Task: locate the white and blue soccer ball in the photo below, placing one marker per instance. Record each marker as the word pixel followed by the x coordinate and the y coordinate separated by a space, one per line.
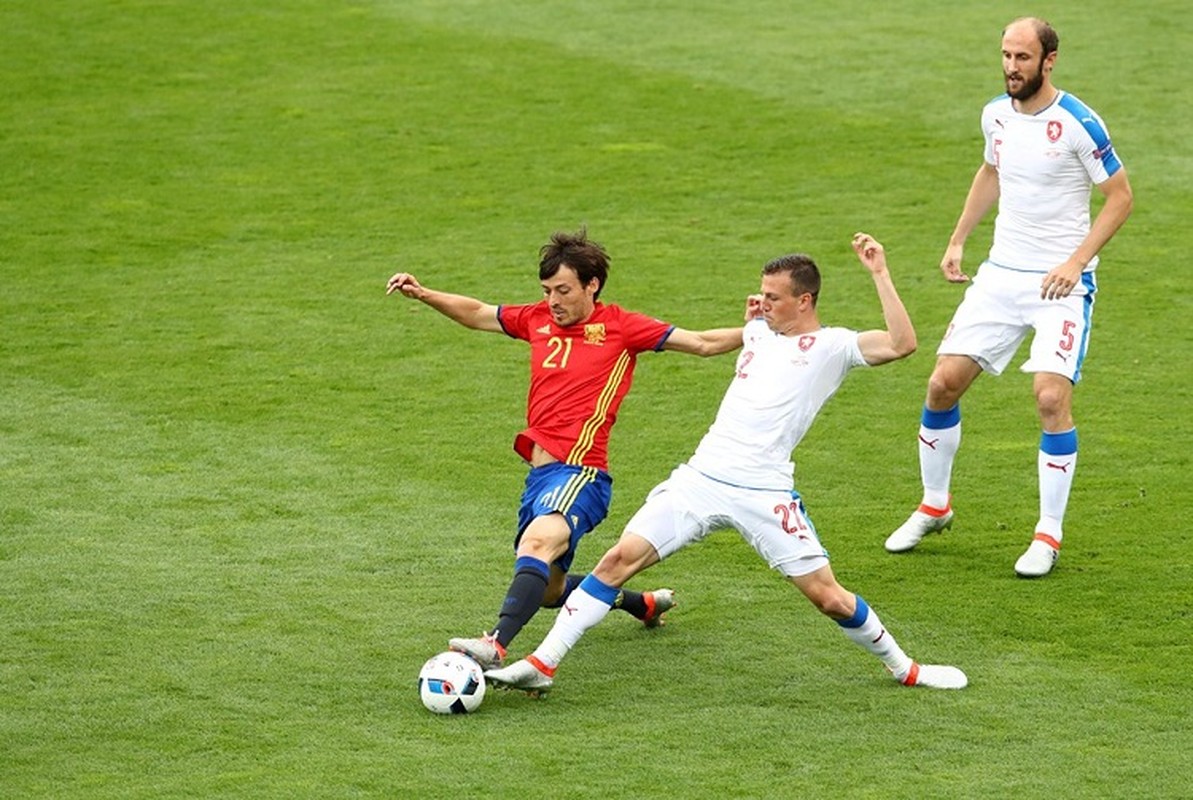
pixel 451 683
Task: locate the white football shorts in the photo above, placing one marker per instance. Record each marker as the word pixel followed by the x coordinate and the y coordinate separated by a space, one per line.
pixel 689 505
pixel 1003 305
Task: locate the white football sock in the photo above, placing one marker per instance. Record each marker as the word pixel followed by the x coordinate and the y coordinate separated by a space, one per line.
pixel 1057 461
pixel 866 630
pixel 938 447
pixel 580 612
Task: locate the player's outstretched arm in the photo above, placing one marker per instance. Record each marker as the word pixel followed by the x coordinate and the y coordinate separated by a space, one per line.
pixel 983 194
pixel 468 311
pixel 898 340
pixel 712 342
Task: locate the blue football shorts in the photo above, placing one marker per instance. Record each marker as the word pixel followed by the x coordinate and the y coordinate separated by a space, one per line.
pixel 580 494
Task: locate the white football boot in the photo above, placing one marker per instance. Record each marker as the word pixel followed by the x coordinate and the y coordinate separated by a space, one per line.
pixel 1040 557
pixel 923 520
pixel 935 676
pixel 523 675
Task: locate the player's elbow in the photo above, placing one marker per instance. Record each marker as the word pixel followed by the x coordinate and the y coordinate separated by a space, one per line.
pixel 1119 195
pixel 906 345
pixel 716 348
pixel 1128 202
pixel 901 344
pixel 706 345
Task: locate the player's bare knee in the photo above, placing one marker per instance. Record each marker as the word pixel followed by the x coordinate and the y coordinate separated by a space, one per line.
pixel 544 548
pixel 944 390
pixel 951 378
pixel 612 566
pixel 1052 402
pixel 620 563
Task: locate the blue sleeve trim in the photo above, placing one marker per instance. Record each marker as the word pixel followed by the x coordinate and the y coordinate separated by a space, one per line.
pixel 939 420
pixel 1059 444
pixel 1104 149
pixel 599 589
pixel 663 340
pixel 501 322
pixel 859 616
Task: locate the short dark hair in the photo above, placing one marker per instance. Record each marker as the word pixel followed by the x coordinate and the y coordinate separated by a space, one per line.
pixel 801 269
pixel 587 258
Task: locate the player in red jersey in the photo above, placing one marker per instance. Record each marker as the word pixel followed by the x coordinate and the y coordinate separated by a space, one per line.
pixel 582 357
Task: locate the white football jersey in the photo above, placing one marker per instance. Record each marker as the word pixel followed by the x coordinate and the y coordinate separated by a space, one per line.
pixel 780 386
pixel 1046 164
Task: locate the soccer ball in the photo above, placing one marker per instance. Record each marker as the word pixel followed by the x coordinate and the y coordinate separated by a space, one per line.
pixel 451 683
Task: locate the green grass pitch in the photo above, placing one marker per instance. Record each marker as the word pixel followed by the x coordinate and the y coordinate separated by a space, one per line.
pixel 244 495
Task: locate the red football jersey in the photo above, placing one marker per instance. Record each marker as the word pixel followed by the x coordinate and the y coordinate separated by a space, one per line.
pixel 578 376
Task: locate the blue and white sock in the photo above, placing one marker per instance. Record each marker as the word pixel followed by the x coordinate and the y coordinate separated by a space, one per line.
pixel 940 436
pixel 866 630
pixel 1057 462
pixel 585 607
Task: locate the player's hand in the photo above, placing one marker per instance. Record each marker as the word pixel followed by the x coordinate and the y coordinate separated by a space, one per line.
pixel 1061 281
pixel 753 307
pixel 950 264
pixel 870 252
pixel 405 283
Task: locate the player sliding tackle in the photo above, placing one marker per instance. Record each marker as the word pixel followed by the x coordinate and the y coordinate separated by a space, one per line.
pixel 741 473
